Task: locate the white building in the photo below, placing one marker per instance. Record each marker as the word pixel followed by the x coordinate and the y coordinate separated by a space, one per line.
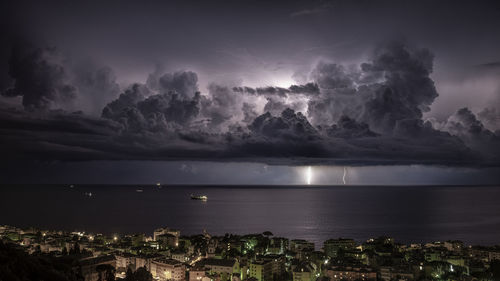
pixel 168 270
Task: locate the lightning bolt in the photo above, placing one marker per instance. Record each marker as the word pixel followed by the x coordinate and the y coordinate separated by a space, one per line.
pixel 309 175
pixel 345 173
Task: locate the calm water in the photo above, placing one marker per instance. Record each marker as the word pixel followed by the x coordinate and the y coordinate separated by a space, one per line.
pixel 410 214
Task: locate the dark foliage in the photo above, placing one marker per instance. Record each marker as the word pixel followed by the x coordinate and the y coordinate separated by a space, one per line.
pixel 141 274
pixel 15 265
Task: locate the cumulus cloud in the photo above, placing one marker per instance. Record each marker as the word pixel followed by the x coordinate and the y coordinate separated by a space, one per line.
pixel 407 91
pixel 45 79
pixel 490 118
pixel 172 107
pixel 269 91
pixel 184 83
pixel 128 99
pixel 370 113
pixel 40 78
pixel 289 125
pixel 222 105
pixel 393 86
pixel 349 128
pixel 96 85
pixel 465 125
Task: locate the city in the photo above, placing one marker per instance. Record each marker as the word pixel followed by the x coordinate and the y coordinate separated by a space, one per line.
pixel 34 254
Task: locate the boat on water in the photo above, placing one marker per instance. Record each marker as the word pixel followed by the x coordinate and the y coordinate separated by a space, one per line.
pixel 199 197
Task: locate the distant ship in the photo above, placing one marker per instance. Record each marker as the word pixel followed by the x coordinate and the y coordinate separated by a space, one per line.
pixel 199 197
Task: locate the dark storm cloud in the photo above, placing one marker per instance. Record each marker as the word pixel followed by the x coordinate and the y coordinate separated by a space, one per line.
pixel 40 78
pixel 490 118
pixel 292 137
pixel 221 105
pixel 349 128
pixel 370 113
pixel 249 112
pixel 185 83
pixel 128 99
pixel 407 91
pixel 172 106
pixel 45 79
pixel 331 76
pixel 306 89
pixel 55 135
pixel 289 125
pixel 96 85
pixel 139 108
pixel 465 124
pixel 395 85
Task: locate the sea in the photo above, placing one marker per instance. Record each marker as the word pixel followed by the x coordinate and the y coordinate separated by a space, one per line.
pixel 409 214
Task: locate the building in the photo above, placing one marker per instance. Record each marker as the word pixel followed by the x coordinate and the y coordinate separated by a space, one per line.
pixel 145 261
pixel 166 230
pixel 332 246
pixel 388 273
pixel 197 274
pixel 301 247
pixel 277 245
pixel 304 271
pixel 168 270
pixel 223 268
pixel 179 255
pixel 168 240
pixel 90 267
pixel 124 261
pixel 493 255
pixel 351 273
pixel 454 246
pixel 267 268
pixel 261 270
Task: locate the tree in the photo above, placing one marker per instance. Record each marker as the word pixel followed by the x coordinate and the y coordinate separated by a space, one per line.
pixel 106 272
pixel 130 274
pixel 495 269
pixel 75 250
pixel 16 265
pixel 141 274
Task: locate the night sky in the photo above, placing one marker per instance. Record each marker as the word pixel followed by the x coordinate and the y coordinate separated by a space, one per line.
pixel 250 92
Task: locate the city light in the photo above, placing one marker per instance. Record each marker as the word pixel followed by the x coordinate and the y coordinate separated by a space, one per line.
pixel 175 269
